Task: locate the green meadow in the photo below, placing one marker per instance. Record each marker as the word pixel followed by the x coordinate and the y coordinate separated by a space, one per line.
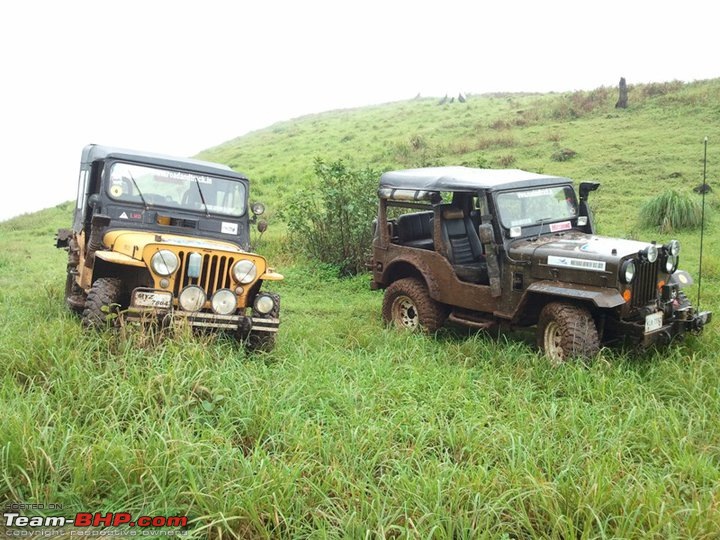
pixel 352 430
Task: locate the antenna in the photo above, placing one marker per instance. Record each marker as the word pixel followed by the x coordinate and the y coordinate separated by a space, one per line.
pixel 702 221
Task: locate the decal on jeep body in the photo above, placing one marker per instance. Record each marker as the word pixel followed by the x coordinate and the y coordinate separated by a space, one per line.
pixel 570 262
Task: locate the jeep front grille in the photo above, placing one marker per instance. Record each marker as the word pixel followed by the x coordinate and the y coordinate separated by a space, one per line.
pixel 644 287
pixel 214 273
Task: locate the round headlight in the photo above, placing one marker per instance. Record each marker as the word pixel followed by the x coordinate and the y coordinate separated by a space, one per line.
pixel 673 248
pixel 224 302
pixel 245 271
pixel 627 271
pixel 192 298
pixel 651 253
pixel 164 262
pixel 264 304
pixel 671 264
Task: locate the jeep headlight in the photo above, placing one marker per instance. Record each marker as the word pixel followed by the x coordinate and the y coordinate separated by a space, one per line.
pixel 627 272
pixel 245 271
pixel 671 264
pixel 192 298
pixel 673 248
pixel 164 262
pixel 651 253
pixel 264 303
pixel 224 302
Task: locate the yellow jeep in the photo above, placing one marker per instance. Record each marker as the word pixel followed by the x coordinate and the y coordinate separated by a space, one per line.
pixel 167 238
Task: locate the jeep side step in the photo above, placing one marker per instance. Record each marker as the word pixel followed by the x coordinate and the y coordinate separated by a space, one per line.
pixel 466 319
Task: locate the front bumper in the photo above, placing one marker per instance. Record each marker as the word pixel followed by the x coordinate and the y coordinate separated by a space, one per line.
pixel 678 324
pixel 238 322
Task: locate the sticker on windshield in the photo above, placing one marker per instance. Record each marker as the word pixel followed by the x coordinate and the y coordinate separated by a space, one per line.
pixel 570 262
pixel 562 226
pixel 534 193
pixel 229 228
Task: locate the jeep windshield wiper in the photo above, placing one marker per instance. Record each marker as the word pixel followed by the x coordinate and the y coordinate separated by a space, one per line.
pixel 541 222
pixel 202 198
pixel 138 190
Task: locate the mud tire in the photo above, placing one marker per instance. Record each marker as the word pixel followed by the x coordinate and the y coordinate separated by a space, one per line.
pixel 74 295
pixel 102 304
pixel 407 305
pixel 566 332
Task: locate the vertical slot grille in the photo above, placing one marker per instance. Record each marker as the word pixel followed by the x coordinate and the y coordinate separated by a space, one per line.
pixel 214 274
pixel 644 286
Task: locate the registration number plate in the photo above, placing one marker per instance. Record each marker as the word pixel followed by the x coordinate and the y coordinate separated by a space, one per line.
pixel 152 299
pixel 653 322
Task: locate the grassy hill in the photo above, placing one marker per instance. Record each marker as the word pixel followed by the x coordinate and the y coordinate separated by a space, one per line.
pixel 348 427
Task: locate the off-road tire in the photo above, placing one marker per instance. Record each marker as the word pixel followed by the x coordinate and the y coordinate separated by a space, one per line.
pixel 566 331
pixel 407 305
pixel 102 304
pixel 264 341
pixel 74 295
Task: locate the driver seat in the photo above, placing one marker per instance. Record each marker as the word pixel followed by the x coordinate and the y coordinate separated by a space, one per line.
pixel 463 247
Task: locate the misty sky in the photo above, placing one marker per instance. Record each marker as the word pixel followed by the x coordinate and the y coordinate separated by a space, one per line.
pixel 178 77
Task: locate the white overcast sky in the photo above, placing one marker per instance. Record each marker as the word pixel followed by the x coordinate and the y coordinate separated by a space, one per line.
pixel 177 77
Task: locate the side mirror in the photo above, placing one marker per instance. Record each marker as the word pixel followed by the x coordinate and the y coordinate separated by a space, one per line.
pixel 262 226
pixel 93 200
pixel 257 208
pixel 486 233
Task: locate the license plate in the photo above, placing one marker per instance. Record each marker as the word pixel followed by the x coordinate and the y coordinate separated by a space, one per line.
pixel 653 322
pixel 152 299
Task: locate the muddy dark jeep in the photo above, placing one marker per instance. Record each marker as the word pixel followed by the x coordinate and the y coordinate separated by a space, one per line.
pixel 162 238
pixel 481 248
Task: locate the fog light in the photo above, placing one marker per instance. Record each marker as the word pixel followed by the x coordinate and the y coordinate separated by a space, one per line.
pixel 264 304
pixel 673 248
pixel 164 283
pixel 224 302
pixel 651 253
pixel 582 221
pixel 192 298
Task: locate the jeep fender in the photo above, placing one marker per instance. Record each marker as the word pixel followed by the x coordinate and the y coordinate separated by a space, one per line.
pixel 410 267
pixel 602 297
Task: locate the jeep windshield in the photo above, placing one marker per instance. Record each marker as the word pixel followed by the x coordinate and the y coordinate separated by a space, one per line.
pixel 537 206
pixel 152 186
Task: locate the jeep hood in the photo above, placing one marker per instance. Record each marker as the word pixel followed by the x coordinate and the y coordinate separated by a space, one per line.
pixel 133 243
pixel 575 257
pixel 576 245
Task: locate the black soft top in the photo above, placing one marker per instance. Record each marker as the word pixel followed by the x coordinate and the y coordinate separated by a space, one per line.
pixel 466 179
pixel 95 152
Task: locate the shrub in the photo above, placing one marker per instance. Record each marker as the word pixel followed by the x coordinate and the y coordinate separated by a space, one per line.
pixel 330 221
pixel 563 154
pixel 671 211
pixel 506 160
pixel 416 152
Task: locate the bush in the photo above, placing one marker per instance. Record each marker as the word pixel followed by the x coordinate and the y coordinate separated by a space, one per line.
pixel 331 221
pixel 671 211
pixel 563 154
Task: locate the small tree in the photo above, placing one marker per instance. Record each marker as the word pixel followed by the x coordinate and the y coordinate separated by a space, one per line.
pixel 331 220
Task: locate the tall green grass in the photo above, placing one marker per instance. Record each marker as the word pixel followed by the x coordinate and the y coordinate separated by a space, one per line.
pixel 671 211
